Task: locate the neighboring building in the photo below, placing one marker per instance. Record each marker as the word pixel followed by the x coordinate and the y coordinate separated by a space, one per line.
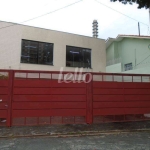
pixel 128 54
pixel 31 48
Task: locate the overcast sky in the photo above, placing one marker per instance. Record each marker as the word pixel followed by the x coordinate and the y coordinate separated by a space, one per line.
pixel 77 18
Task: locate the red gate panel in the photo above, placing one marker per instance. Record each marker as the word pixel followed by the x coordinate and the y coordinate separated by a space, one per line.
pixel 118 98
pixel 39 101
pixel 5 97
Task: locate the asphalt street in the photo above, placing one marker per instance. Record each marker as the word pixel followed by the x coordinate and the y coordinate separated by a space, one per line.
pixel 122 141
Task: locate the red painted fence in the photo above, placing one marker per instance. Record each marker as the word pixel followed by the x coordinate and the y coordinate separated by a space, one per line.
pixel 5 97
pixel 36 98
pixel 121 97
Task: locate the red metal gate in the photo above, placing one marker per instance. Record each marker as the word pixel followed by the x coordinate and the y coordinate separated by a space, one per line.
pixel 37 97
pixel 5 97
pixel 121 97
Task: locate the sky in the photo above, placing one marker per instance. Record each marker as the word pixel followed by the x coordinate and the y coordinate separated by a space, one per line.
pixel 78 18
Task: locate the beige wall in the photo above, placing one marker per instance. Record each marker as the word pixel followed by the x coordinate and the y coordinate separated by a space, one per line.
pixel 10 43
pixel 10 47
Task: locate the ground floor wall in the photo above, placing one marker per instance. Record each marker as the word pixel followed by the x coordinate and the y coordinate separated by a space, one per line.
pixel 116 68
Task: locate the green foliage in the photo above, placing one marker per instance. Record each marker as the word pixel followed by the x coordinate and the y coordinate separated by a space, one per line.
pixel 141 3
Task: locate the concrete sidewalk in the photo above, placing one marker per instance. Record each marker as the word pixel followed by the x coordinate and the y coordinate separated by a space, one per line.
pixel 74 130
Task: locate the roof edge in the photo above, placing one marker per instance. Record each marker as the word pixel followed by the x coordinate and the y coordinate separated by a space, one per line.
pixel 109 41
pixel 51 30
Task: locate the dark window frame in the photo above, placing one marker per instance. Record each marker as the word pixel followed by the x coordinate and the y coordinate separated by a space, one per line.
pixel 128 66
pixel 83 61
pixel 38 42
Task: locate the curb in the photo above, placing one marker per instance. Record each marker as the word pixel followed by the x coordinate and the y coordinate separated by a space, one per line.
pixel 76 134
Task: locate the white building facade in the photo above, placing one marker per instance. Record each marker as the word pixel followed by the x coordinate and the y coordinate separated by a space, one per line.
pixel 30 48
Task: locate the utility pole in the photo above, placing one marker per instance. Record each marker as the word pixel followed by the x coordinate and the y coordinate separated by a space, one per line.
pixel 135 58
pixel 149 17
pixel 139 28
pixel 149 23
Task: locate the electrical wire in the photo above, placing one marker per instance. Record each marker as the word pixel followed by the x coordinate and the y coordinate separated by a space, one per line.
pixel 120 13
pixel 41 15
pixel 142 60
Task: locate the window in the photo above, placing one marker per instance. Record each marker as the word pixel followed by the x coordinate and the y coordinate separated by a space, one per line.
pixel 78 57
pixel 34 52
pixel 128 66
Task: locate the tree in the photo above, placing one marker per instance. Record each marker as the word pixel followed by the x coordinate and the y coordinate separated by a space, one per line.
pixel 141 3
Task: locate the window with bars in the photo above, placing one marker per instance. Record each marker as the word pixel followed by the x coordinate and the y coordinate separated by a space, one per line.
pixel 78 57
pixel 128 66
pixel 34 52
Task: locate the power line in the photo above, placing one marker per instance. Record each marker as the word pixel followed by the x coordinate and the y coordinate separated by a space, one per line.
pixel 144 63
pixel 121 13
pixel 41 15
pixel 142 60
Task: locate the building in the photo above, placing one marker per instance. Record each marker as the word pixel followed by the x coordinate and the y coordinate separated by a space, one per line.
pixel 30 48
pixel 128 54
